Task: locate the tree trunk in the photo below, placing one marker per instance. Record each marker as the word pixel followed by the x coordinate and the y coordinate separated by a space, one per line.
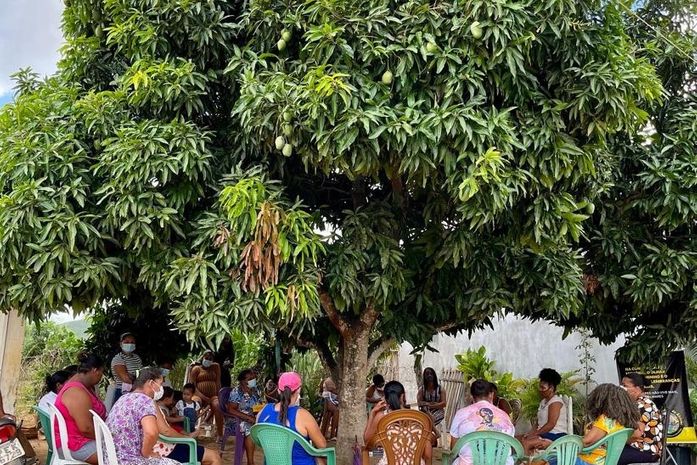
pixel 354 372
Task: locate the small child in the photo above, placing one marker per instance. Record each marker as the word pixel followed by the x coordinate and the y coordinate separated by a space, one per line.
pixel 187 407
pixel 165 405
pixel 329 391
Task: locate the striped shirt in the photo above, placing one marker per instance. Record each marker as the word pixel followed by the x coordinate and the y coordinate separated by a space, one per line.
pixel 132 362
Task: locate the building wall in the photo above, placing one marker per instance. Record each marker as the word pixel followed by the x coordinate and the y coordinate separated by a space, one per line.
pixel 517 345
pixel 11 340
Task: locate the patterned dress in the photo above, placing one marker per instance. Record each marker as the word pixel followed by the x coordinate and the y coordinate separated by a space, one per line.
pixel 653 431
pixel 245 401
pixel 124 423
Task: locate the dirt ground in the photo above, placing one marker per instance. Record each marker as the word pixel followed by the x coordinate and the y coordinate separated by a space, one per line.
pixel 40 448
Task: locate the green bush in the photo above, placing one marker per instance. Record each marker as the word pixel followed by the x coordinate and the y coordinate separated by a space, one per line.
pixel 474 364
pixel 47 348
pixel 310 368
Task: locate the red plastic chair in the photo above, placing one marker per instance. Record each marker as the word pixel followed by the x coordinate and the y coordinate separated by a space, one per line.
pixel 232 425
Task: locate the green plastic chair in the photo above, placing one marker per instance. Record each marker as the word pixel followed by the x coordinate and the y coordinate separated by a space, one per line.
pixel 191 442
pixel 277 442
pixel 45 420
pixel 614 443
pixel 488 448
pixel 565 450
pixel 187 425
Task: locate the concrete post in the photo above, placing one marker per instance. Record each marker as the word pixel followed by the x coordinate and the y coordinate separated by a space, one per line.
pixel 11 341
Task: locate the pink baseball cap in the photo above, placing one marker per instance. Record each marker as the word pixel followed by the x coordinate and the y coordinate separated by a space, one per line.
pixel 290 380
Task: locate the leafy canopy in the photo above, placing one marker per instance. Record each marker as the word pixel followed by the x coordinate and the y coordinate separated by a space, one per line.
pixel 412 166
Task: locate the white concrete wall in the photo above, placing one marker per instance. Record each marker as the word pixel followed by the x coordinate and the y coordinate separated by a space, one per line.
pixel 11 340
pixel 517 345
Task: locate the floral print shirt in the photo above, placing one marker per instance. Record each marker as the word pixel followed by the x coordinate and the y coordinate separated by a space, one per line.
pixel 124 423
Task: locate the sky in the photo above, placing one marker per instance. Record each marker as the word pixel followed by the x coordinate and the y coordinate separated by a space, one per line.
pixel 30 35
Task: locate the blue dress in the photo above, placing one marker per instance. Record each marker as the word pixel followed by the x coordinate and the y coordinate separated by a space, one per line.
pixel 270 415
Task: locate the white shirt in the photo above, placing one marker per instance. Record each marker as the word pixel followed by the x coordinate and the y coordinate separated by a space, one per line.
pixel 47 400
pixel 543 415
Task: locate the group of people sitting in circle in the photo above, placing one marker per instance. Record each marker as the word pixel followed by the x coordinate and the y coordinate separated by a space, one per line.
pixel 611 407
pixel 145 407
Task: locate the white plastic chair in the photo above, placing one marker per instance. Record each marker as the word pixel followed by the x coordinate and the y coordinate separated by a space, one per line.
pixel 61 455
pixel 106 452
pixel 569 405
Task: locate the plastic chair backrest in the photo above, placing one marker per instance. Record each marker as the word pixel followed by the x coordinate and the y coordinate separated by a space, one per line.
pixel 565 449
pixel 614 444
pixel 277 442
pixel 106 452
pixel 57 419
pixel 45 420
pixel 403 435
pixel 488 447
pixel 569 406
pixel 223 398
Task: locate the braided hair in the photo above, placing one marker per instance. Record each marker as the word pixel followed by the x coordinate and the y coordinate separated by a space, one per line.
pixel 613 402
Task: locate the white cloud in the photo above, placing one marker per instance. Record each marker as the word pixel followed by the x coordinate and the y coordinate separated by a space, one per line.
pixel 30 35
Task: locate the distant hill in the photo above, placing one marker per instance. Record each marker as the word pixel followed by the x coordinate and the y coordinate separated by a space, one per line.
pixel 79 327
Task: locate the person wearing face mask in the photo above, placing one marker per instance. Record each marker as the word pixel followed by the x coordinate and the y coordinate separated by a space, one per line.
pixel 178 452
pixel 125 364
pixel 206 379
pixel 551 421
pixel 375 391
pixel 133 421
pixel 74 401
pixel 288 413
pixel 166 367
pixel 241 403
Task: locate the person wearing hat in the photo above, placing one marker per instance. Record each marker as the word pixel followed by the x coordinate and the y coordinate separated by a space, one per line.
pixel 125 364
pixel 289 413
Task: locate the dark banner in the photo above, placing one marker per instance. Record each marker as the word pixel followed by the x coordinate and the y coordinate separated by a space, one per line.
pixel 668 390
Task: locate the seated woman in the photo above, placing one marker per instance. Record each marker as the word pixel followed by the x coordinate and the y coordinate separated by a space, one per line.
pixel 500 402
pixel 394 400
pixel 133 422
pixel 551 421
pixel 431 399
pixel 242 400
pixel 54 383
pixel 74 402
pixel 375 391
pixel 287 412
pixel 178 452
pixel 646 440
pixel 613 410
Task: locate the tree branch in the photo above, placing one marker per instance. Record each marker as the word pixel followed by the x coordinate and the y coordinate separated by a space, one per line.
pixel 323 350
pixel 377 348
pixel 332 313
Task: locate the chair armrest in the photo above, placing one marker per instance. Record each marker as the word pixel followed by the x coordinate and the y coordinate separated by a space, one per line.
pixel 592 447
pixel 191 442
pixel 328 452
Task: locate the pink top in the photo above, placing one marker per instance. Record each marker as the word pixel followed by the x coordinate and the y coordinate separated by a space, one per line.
pixel 75 438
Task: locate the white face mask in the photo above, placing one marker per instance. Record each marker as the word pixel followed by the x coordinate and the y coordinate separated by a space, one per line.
pixel 159 393
pixel 252 383
pixel 207 363
pixel 128 347
pixel 164 371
